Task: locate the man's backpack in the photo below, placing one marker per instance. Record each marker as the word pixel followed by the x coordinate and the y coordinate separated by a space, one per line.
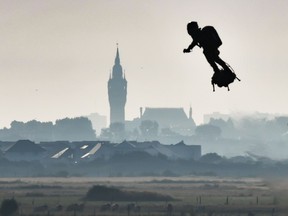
pixel 210 37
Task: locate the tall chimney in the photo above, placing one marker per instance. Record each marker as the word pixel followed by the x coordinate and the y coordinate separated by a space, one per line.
pixel 141 112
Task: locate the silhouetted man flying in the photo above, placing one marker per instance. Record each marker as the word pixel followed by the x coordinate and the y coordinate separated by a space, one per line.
pixel 209 40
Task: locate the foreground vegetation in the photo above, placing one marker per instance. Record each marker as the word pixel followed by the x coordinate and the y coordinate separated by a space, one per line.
pixel 104 193
pixel 191 196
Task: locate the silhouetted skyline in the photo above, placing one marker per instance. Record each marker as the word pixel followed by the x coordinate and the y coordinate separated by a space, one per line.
pixel 56 56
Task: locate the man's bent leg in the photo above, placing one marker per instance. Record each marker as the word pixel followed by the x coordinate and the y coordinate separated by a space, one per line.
pixel 222 64
pixel 211 60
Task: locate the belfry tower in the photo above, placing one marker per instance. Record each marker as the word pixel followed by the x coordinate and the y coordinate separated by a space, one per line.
pixel 117 92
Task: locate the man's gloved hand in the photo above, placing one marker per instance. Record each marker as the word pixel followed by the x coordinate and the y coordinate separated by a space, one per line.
pixel 186 50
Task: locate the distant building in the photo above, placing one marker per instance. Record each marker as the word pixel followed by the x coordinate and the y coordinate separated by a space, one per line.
pixel 25 150
pixel 72 152
pixel 117 92
pixel 174 119
pixel 215 115
pixel 98 122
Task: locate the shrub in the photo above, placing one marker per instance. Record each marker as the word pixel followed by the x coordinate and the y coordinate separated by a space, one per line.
pixel 103 193
pixel 8 207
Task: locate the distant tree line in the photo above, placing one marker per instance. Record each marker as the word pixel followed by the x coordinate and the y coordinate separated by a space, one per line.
pixel 253 128
pixel 149 130
pixel 70 129
pixel 78 129
pixel 243 128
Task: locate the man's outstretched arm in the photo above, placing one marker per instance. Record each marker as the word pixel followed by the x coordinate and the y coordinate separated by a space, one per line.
pixel 190 47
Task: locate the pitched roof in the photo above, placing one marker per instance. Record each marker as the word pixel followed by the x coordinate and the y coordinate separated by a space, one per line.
pixel 25 146
pixel 186 151
pixel 166 117
pixel 125 145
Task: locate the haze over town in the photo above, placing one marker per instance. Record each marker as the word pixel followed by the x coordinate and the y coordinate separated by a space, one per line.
pixel 56 57
pixel 165 143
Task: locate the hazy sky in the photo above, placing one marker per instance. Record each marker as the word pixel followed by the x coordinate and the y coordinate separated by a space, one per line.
pixel 56 56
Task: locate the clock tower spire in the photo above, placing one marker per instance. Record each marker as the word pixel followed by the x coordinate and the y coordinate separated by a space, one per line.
pixel 117 92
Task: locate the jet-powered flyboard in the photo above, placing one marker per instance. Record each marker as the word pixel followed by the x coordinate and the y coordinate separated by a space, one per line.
pixel 224 78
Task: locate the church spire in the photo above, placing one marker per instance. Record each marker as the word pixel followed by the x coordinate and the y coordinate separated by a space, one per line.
pixel 117 92
pixel 117 68
pixel 117 58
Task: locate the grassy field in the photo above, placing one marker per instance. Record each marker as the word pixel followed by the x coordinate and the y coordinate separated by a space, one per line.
pixel 193 196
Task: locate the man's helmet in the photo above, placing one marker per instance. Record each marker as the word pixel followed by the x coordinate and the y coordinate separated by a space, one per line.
pixel 192 26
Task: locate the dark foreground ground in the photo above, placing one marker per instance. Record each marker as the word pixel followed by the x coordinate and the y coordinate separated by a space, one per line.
pixel 192 196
